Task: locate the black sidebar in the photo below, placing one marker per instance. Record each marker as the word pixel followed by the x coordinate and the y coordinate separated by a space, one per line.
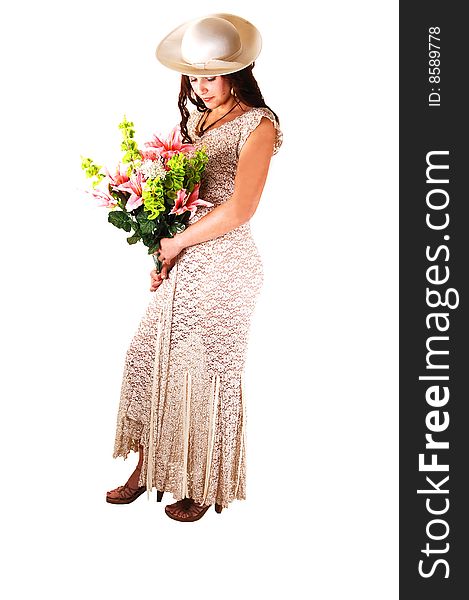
pixel 434 254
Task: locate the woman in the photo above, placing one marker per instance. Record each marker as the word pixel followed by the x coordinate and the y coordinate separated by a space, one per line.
pixel 183 406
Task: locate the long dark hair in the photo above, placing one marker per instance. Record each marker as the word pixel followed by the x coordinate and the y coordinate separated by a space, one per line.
pixel 245 88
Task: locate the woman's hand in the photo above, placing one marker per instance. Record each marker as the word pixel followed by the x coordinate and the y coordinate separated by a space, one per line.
pixel 167 254
pixel 157 278
pixel 169 248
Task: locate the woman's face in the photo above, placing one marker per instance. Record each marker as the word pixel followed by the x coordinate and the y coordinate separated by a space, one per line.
pixel 214 91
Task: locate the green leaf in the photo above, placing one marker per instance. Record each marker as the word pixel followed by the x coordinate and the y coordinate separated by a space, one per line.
pixel 176 227
pixel 120 219
pixel 153 247
pixel 179 227
pixel 147 227
pixel 133 239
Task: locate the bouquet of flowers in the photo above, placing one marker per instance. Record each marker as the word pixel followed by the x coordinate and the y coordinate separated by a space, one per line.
pixel 154 191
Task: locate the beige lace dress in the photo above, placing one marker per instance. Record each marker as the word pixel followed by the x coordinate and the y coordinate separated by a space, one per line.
pixel 182 395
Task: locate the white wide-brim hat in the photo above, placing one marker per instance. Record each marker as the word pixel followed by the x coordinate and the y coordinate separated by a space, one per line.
pixel 217 44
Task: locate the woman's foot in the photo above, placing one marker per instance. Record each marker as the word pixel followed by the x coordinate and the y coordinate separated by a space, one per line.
pixel 187 510
pixel 130 491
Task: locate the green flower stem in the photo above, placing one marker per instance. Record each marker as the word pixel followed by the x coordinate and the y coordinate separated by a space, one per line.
pixel 129 145
pixel 158 263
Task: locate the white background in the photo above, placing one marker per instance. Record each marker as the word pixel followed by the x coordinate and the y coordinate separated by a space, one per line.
pixel 320 520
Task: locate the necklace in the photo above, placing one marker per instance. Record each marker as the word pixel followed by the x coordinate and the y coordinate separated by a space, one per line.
pixel 199 130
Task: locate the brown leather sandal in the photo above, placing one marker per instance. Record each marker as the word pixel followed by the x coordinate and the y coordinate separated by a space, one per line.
pixel 126 494
pixel 185 503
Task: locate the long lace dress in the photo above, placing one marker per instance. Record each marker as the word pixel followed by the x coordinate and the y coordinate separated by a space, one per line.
pixel 182 395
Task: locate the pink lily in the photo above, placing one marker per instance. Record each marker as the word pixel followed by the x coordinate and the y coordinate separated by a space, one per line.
pixel 102 195
pixel 150 154
pixel 188 202
pixel 167 148
pixel 134 186
pixel 120 175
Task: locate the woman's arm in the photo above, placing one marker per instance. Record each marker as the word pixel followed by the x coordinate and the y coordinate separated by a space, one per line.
pixel 251 175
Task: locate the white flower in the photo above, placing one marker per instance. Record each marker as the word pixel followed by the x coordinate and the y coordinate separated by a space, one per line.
pixel 151 169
